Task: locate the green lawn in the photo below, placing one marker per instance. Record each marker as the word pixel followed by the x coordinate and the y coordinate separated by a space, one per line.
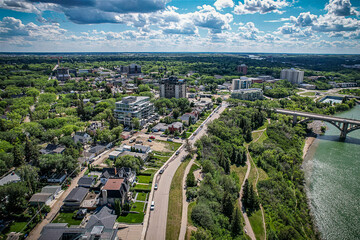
pixel 141 196
pixel 149 171
pixel 257 224
pixel 131 218
pixel 142 187
pixel 137 206
pixel 67 218
pixel 144 179
pixel 190 207
pixel 16 227
pixel 308 94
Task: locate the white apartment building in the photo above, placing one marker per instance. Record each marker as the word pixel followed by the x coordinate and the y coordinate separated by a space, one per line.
pixel 134 107
pixel 292 75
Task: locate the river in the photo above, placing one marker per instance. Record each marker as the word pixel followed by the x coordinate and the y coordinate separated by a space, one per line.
pixel 332 174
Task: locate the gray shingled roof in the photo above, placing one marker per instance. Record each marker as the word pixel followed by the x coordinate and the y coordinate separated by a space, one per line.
pixel 77 194
pixel 102 218
pixel 86 181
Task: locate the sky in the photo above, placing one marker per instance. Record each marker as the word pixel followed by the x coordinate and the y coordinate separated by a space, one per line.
pixel 271 26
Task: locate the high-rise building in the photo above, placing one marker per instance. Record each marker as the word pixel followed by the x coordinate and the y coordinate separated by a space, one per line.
pixel 134 107
pixel 62 74
pixel 242 83
pixel 132 69
pixel 292 75
pixel 242 69
pixel 173 87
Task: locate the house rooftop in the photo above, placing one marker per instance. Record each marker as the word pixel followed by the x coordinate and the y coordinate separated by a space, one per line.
pixel 86 180
pixel 12 177
pixel 77 194
pixel 40 197
pixel 113 184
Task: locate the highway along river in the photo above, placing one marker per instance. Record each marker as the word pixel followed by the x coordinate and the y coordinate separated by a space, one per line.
pixel 332 173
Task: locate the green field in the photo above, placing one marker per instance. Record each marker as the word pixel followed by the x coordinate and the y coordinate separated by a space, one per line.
pixel 138 206
pixel 67 218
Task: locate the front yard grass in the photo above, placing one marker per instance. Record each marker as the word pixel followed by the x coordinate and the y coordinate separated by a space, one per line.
pixel 67 218
pixel 131 218
pixel 138 206
pixel 141 196
pixel 144 178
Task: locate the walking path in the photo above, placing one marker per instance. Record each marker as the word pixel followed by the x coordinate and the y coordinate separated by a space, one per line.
pixel 248 229
pixel 185 203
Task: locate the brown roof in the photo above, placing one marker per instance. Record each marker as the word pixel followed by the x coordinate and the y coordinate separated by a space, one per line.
pixel 113 184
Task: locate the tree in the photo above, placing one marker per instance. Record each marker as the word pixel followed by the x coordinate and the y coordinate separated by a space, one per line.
pixel 117 207
pixel 188 146
pixel 183 135
pixel 190 121
pixel 29 175
pixel 176 113
pixel 219 100
pixel 167 132
pixel 236 227
pixel 18 155
pixel 31 152
pixel 135 123
pixel 227 205
pixel 190 180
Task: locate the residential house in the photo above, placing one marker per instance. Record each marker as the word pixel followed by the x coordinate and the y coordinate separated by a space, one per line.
pixel 95 126
pixel 194 116
pixel 54 190
pixel 52 149
pixel 101 226
pixel 98 149
pixel 123 172
pixel 175 126
pixel 114 155
pixel 75 198
pixel 82 137
pixel 56 177
pixel 86 181
pixel 41 199
pixel 115 188
pixel 160 127
pixel 141 148
pixel 10 178
pixel 143 156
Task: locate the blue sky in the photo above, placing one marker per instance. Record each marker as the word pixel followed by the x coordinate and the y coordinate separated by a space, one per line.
pixel 276 26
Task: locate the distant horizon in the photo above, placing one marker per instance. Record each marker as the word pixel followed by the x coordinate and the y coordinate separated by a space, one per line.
pixel 239 53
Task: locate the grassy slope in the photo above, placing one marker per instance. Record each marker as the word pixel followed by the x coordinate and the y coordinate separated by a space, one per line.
pixel 175 203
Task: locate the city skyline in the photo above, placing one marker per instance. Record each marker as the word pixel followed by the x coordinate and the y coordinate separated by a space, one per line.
pixel 271 26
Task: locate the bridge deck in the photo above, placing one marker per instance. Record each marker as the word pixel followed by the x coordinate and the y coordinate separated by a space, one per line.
pixel 318 116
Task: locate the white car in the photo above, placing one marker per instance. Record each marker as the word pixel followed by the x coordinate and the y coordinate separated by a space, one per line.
pixel 152 207
pixel 156 186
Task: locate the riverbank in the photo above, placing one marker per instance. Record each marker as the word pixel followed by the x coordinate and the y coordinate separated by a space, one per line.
pixel 308 142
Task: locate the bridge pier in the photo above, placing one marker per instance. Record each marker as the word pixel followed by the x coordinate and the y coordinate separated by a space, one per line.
pixel 344 131
pixel 294 119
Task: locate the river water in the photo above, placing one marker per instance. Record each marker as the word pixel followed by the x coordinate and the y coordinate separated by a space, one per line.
pixel 332 173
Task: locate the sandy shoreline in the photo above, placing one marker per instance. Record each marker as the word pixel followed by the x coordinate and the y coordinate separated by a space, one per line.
pixel 308 142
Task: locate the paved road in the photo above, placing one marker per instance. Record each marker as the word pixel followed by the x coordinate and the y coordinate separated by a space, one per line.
pixel 35 233
pixel 158 217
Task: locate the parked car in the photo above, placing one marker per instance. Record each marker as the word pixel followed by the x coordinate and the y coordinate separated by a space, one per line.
pixel 149 140
pixel 161 171
pixel 162 135
pixel 139 142
pixel 156 186
pixel 152 207
pixel 177 137
pixel 152 137
pixel 132 140
pixel 169 140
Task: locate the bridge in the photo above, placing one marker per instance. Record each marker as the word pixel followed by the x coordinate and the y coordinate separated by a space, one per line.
pixel 345 125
